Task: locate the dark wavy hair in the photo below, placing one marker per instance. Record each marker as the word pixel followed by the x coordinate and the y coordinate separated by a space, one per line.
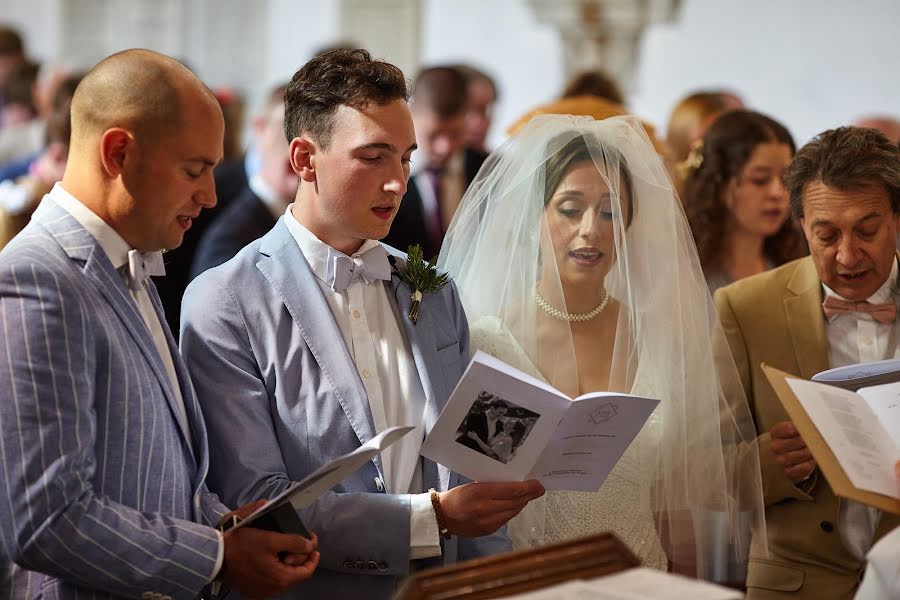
pixel 846 158
pixel 349 77
pixel 576 151
pixel 727 146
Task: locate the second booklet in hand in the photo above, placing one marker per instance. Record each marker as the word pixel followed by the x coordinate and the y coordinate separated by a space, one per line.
pixel 501 424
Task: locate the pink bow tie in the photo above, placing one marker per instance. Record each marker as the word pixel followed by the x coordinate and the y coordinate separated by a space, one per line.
pixel 883 313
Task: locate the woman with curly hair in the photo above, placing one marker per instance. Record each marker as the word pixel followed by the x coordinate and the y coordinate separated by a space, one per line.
pixel 735 198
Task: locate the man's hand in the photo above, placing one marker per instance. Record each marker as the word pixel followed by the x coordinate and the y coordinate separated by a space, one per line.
pixel 252 563
pixel 791 452
pixel 476 509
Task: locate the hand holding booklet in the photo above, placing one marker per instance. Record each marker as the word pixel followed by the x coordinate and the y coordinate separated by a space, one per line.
pixel 501 424
pixel 854 436
pixel 280 512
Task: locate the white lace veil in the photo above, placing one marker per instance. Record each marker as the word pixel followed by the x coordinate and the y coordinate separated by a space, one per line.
pixel 695 465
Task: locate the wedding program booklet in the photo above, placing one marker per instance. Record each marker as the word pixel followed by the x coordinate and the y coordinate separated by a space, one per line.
pixel 854 436
pixel 501 424
pixel 633 584
pixel 280 512
pixel 853 377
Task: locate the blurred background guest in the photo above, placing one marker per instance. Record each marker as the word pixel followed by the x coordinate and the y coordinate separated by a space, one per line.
pixel 483 94
pixel 19 196
pixel 735 198
pixel 21 131
pixel 442 167
pixel 594 83
pixel 264 198
pixel 692 116
pixel 886 124
pixel 12 52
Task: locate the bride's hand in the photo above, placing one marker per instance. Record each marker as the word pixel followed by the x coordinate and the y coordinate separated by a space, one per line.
pixel 476 509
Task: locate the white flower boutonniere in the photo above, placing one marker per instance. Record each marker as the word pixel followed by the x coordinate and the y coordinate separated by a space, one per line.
pixel 422 278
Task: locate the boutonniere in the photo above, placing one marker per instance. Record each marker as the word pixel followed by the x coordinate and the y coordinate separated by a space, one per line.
pixel 422 278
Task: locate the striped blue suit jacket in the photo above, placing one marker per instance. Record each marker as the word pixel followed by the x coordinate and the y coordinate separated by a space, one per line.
pixel 103 489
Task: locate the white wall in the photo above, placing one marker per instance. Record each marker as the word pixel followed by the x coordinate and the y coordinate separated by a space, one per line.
pixel 812 64
pixel 503 38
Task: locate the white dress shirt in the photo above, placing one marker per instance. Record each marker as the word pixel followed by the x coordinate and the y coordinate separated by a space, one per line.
pixel 116 250
pixel 854 338
pixel 882 580
pixel 368 323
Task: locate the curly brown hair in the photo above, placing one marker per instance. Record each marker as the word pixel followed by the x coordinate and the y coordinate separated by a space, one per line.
pixel 727 146
pixel 348 77
pixel 846 158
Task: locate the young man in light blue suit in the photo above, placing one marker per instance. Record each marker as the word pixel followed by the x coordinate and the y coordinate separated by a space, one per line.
pixel 102 441
pixel 301 349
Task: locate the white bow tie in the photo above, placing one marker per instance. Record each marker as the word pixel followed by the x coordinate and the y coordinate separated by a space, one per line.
pixel 370 265
pixel 142 265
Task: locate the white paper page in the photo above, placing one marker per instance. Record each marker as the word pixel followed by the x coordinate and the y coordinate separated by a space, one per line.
pixel 460 439
pixel 634 584
pixel 884 400
pixel 859 371
pixel 590 440
pixel 861 445
pixel 303 493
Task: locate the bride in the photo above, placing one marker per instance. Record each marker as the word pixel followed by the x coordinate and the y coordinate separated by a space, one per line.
pixel 575 263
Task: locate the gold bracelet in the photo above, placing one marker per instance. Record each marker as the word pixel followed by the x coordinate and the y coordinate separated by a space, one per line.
pixel 439 514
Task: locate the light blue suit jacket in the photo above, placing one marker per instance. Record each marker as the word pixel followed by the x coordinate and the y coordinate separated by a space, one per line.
pixel 282 396
pixel 103 489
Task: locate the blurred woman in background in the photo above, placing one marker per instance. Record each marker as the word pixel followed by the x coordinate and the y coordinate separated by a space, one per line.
pixel 735 199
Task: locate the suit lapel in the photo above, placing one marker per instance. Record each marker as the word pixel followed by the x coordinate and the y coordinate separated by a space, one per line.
pixel 82 247
pixel 805 321
pixel 285 268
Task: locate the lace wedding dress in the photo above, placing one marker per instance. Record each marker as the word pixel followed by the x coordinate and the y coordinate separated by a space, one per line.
pixel 560 516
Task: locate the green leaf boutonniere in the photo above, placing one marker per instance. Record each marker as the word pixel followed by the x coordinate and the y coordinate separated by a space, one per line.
pixel 422 278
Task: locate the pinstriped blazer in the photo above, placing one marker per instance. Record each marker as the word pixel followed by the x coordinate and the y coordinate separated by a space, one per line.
pixel 103 489
pixel 282 396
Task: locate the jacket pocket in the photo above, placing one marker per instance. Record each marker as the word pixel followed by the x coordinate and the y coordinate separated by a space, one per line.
pixel 770 575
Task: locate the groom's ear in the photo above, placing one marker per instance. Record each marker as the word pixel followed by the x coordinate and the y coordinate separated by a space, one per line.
pixel 302 153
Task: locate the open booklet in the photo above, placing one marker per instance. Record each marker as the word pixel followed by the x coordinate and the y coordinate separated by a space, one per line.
pixel 501 424
pixel 853 377
pixel 853 436
pixel 280 512
pixel 634 584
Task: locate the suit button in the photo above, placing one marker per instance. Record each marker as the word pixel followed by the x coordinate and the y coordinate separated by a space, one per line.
pixel 147 596
pixel 827 526
pixel 379 484
pixel 360 564
pixel 348 564
pixel 372 565
pixel 382 566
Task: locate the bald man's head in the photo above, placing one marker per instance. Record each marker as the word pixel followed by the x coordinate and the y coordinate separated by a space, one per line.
pixel 138 90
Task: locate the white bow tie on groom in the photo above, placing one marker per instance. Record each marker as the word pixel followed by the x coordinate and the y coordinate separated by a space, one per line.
pixel 369 266
pixel 142 265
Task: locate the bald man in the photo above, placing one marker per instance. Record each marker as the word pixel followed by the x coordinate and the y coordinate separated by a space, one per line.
pixel 102 443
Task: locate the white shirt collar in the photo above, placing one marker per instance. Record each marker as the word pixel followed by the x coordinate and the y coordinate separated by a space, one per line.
pixel 882 295
pixel 115 247
pixel 315 250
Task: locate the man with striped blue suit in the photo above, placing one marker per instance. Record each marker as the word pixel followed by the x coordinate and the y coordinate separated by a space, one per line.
pixel 102 442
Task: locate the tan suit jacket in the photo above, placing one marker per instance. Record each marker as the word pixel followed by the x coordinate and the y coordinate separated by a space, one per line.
pixel 776 318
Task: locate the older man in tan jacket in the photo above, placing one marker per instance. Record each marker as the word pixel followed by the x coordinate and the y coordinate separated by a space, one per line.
pixel 833 308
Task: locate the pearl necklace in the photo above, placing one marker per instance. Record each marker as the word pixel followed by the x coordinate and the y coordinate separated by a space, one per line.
pixel 570 317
